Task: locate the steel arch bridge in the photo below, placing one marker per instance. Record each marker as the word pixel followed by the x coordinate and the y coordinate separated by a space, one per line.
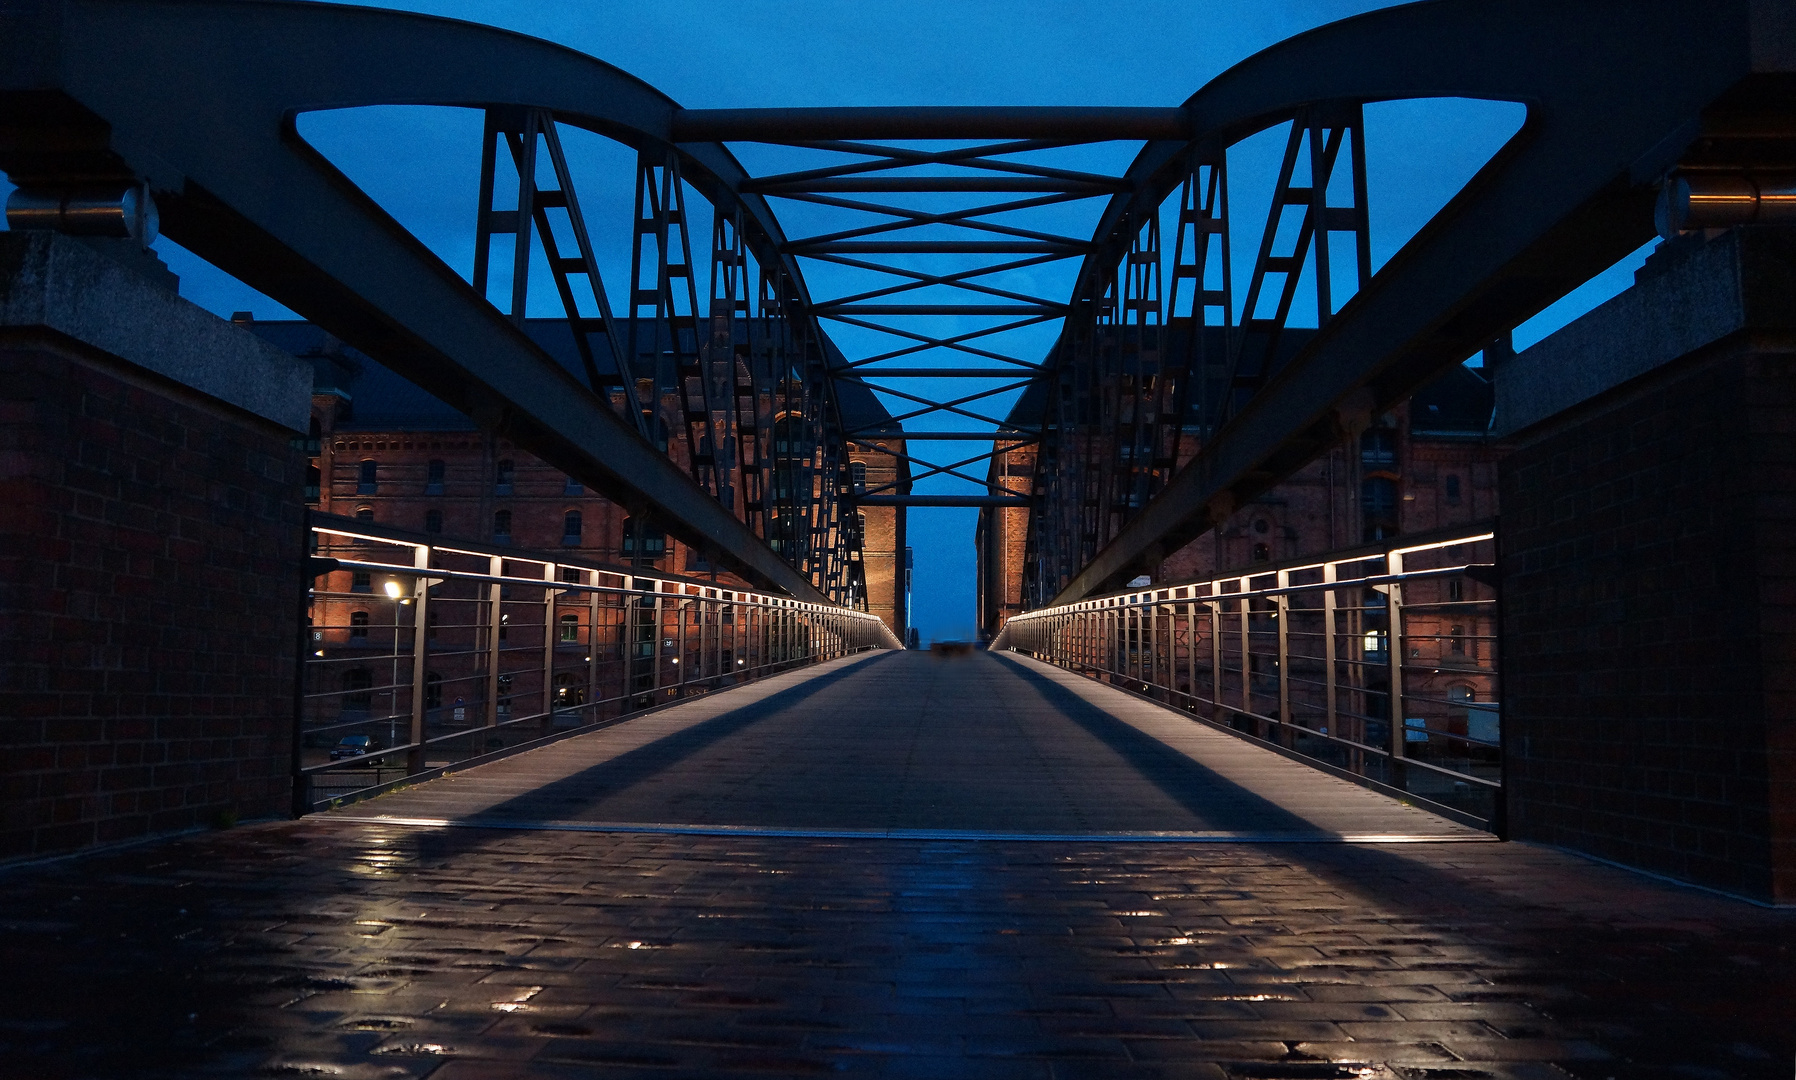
pixel 1149 430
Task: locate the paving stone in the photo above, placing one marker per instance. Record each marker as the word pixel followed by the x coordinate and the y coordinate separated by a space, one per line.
pixel 362 949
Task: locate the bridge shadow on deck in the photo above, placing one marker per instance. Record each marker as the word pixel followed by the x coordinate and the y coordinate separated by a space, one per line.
pixel 899 743
pixel 1220 803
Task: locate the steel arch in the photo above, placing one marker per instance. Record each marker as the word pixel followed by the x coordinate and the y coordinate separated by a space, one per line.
pixel 199 98
pixel 1616 92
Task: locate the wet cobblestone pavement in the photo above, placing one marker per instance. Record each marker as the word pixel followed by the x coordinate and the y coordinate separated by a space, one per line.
pixel 323 948
pixel 556 942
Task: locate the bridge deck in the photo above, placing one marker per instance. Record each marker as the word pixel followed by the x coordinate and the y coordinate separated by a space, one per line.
pixel 553 945
pixel 913 744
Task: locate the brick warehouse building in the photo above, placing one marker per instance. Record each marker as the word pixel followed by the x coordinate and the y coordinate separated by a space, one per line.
pixel 384 451
pixel 1428 464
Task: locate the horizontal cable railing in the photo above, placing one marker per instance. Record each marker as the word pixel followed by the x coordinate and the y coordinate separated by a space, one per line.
pixel 1378 662
pixel 422 654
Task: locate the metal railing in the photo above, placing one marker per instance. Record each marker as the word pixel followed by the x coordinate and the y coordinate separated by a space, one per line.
pixel 423 653
pixel 1378 662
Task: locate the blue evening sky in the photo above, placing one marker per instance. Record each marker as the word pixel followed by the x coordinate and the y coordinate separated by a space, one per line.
pixel 422 164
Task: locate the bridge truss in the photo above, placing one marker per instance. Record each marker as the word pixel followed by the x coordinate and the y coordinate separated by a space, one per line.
pixel 1171 392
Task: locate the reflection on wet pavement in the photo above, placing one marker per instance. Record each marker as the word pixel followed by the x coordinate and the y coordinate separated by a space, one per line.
pixel 548 943
pixel 340 949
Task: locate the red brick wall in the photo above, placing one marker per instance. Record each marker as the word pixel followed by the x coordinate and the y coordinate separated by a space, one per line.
pixel 150 582
pixel 882 558
pixel 1316 510
pixel 538 500
pixel 1649 624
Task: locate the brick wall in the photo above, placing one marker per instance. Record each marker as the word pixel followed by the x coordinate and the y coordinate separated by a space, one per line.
pixel 883 542
pixel 538 500
pixel 150 581
pixel 1649 596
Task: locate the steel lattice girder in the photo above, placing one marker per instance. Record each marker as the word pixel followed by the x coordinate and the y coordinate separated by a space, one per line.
pixel 1616 91
pixel 198 97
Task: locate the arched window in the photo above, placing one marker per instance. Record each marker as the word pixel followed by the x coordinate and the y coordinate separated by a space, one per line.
pixel 789 438
pixel 358 628
pixel 502 526
pixel 571 526
pixel 502 480
pixel 857 477
pixel 1456 641
pixel 358 684
pixel 367 477
pixel 570 629
pixel 433 521
pixel 433 478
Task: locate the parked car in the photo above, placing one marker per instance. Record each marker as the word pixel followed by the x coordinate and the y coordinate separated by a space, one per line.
pixel 353 746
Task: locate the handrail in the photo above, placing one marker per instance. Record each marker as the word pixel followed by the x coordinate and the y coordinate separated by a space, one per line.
pixel 518 658
pixel 1389 677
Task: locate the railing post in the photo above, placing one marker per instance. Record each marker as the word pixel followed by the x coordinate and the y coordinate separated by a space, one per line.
pixel 420 643
pixel 657 621
pixel 682 610
pixel 1191 646
pixel 1393 607
pixel 1282 607
pixel 1215 606
pixel 550 595
pixel 593 696
pixel 1246 607
pixel 1331 696
pixel 495 622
